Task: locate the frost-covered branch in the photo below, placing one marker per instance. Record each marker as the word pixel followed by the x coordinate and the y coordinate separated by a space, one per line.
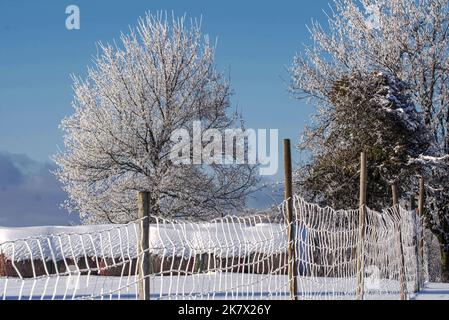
pixel 160 78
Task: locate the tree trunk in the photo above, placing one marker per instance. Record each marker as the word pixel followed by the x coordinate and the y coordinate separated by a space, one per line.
pixel 445 265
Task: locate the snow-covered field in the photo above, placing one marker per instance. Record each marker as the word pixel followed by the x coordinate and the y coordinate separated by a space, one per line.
pixel 63 288
pixel 204 286
pixel 180 239
pixel 434 291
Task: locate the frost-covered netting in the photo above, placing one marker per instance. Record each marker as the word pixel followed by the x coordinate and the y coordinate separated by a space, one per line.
pixel 247 257
pixel 328 266
pixel 336 243
pixel 227 258
pixel 233 257
pixel 69 262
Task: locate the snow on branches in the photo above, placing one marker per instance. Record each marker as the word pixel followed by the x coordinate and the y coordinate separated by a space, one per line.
pixel 373 113
pixel 404 38
pixel 160 78
pixel 407 40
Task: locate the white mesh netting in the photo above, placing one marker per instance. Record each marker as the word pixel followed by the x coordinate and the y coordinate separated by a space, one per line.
pixel 228 258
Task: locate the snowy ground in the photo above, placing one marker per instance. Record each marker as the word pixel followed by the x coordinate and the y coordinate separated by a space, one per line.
pixel 434 291
pixel 228 286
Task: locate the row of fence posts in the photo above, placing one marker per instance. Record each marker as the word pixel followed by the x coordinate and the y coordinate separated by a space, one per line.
pixel 419 237
pixel 144 210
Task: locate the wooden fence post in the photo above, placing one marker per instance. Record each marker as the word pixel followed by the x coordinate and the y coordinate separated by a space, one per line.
pixel 402 277
pixel 394 193
pixel 415 242
pixel 144 254
pixel 292 271
pixel 421 233
pixel 362 213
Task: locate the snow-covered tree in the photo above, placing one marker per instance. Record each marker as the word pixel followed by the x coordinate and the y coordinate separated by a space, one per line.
pixel 118 141
pixel 372 113
pixel 408 39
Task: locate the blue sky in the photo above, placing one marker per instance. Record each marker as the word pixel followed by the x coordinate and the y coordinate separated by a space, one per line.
pixel 256 42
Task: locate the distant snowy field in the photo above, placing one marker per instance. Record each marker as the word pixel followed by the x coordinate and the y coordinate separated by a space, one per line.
pixel 233 238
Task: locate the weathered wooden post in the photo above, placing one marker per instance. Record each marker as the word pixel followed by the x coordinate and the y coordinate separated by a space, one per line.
pixel 144 210
pixel 415 242
pixel 362 213
pixel 394 193
pixel 421 233
pixel 292 271
pixel 402 278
